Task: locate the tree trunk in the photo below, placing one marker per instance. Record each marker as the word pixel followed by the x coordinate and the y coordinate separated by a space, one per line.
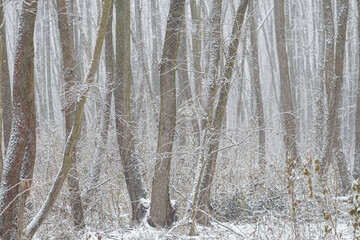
pixel 125 138
pixel 288 118
pixel 106 108
pixel 69 81
pixel 333 145
pixel 22 128
pixel 214 60
pixel 356 171
pixel 217 121
pixel 156 44
pixel 162 212
pixel 5 82
pixel 41 215
pixel 260 118
pixel 196 50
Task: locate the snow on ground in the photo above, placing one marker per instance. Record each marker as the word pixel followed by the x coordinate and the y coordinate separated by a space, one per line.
pixel 264 229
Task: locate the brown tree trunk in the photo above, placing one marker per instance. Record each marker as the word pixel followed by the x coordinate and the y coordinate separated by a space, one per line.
pixel 161 211
pixel 71 142
pixel 356 171
pixel 125 138
pixel 333 145
pixel 22 128
pixel 209 164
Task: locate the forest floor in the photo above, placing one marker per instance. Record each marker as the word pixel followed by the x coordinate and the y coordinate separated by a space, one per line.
pixel 264 229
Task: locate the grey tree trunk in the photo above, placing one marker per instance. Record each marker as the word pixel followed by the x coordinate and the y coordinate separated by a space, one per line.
pixel 156 44
pixel 162 213
pixel 125 138
pixel 106 108
pixel 24 110
pixel 356 171
pixel 209 164
pixel 5 82
pixel 288 118
pixel 260 118
pixel 42 214
pixel 69 82
pixel 333 145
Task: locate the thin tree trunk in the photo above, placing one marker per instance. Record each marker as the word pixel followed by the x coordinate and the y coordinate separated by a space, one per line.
pixel 69 81
pixel 125 138
pixel 333 139
pixel 161 210
pixel 156 44
pixel 196 50
pixel 288 118
pixel 106 108
pixel 22 128
pixel 5 82
pixel 214 60
pixel 48 61
pixel 356 171
pixel 260 118
pixel 217 121
pixel 41 215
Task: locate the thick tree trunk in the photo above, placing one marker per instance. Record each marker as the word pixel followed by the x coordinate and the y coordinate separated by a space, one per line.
pixel 333 145
pixel 356 171
pixel 22 128
pixel 42 214
pixel 216 124
pixel 162 212
pixel 288 118
pixel 125 138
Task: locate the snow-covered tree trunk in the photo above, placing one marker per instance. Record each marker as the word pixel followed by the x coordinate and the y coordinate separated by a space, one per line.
pixel 23 126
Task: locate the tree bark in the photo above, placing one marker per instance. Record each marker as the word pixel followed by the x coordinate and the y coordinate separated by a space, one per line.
pixel 74 135
pixel 333 144
pixel 125 138
pixel 5 82
pixel 24 109
pixel 217 121
pixel 106 108
pixel 161 211
pixel 260 118
pixel 69 82
pixel 288 118
pixel 356 171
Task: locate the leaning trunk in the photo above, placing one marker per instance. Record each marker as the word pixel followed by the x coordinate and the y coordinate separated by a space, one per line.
pixel 217 121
